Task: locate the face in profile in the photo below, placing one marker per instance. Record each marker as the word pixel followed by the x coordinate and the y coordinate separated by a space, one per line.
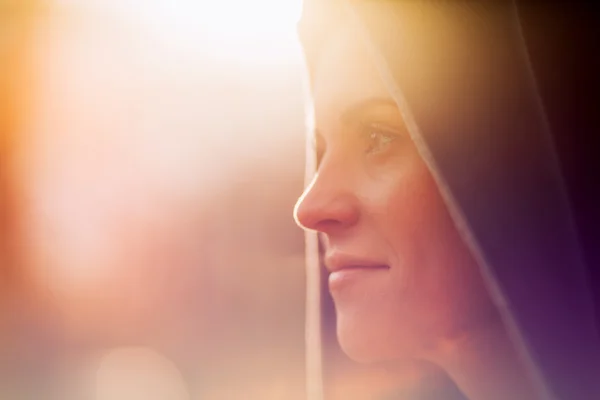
pixel 403 282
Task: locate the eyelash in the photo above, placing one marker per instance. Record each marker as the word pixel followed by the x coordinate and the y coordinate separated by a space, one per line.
pixel 375 132
pixel 370 132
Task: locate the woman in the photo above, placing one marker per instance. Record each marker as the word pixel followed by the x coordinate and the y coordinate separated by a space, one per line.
pixel 455 247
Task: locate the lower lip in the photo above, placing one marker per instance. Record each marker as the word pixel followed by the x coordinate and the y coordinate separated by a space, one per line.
pixel 349 276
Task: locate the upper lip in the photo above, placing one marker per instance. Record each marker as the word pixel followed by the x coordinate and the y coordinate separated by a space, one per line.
pixel 336 261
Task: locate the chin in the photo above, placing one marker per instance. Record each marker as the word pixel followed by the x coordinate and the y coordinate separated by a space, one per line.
pixel 361 354
pixel 368 343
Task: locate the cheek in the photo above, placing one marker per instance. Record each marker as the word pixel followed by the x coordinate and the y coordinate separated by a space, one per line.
pixel 434 269
pixel 413 216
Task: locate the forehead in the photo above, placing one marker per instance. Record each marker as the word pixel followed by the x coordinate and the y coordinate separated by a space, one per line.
pixel 345 74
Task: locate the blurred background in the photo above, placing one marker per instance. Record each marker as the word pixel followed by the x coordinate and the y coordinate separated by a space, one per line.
pixel 151 153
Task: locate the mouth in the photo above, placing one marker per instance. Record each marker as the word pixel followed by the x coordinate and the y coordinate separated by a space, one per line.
pixel 345 277
pixel 345 270
pixel 337 261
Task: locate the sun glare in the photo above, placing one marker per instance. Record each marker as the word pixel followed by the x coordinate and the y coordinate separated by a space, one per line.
pixel 250 32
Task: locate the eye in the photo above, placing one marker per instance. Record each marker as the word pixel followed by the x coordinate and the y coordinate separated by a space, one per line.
pixel 379 138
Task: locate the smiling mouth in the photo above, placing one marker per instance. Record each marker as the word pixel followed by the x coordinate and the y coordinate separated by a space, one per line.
pixel 342 277
pixel 360 267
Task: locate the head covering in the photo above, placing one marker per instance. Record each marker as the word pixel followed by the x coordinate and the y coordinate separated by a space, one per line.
pixel 498 98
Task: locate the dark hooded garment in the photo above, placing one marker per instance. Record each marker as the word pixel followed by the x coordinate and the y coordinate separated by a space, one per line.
pixel 507 127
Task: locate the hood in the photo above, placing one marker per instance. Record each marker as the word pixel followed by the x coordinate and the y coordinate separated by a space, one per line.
pixel 492 96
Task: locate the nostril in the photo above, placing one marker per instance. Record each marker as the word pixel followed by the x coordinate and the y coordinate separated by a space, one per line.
pixel 328 225
pixel 326 217
pixel 306 217
pixel 326 205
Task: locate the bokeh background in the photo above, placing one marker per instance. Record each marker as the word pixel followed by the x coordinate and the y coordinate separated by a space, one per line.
pixel 151 153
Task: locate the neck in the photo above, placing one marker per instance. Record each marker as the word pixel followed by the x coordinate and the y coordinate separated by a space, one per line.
pixel 486 366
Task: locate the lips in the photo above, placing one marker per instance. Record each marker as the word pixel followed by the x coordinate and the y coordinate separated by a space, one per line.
pixel 345 270
pixel 337 261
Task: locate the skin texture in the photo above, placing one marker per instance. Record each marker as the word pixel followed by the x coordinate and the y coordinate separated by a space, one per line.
pixel 374 202
pixel 374 198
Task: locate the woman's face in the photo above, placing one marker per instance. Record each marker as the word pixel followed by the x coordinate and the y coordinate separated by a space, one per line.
pixel 403 282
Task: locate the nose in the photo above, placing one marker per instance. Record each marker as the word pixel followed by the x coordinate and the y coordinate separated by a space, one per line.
pixel 327 206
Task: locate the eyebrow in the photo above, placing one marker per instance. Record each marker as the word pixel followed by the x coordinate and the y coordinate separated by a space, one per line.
pixel 351 113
